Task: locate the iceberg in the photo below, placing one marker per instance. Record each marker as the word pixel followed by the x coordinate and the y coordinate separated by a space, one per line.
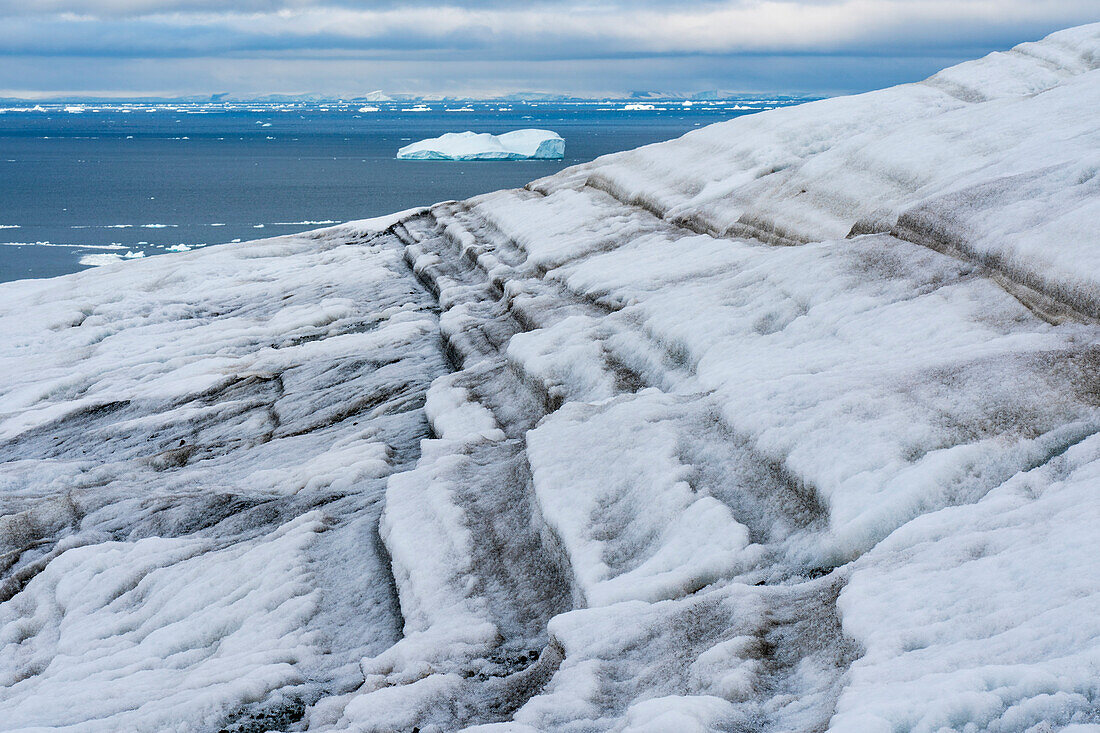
pixel 515 145
pixel 789 424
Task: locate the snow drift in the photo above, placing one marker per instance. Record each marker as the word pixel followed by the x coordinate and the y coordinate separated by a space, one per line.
pixel 515 145
pixel 788 424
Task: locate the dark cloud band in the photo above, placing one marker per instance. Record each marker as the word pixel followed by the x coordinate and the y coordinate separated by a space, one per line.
pixel 493 32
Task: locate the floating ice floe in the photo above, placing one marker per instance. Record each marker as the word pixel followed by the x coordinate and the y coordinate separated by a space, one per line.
pixel 307 222
pixel 96 260
pixel 515 145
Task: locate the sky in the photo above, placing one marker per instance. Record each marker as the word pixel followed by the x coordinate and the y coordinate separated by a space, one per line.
pixel 345 48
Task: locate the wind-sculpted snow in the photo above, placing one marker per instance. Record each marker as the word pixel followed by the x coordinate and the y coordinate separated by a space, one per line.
pixel 965 160
pixel 195 453
pixel 790 424
pixel 987 611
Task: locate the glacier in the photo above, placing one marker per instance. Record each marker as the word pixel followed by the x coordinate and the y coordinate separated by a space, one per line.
pixel 515 145
pixel 789 424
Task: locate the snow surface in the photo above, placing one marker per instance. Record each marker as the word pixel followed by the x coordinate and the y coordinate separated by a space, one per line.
pixel 790 424
pixel 515 145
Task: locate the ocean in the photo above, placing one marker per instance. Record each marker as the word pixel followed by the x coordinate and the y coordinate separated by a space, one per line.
pixel 88 184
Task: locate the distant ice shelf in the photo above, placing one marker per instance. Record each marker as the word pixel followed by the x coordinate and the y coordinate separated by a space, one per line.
pixel 515 145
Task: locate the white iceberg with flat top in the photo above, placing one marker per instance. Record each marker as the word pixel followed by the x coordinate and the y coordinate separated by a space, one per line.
pixel 515 145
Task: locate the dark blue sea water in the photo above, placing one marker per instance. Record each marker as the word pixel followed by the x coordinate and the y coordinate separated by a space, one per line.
pixel 81 184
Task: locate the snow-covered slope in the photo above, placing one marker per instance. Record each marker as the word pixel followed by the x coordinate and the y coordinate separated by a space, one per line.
pixel 790 424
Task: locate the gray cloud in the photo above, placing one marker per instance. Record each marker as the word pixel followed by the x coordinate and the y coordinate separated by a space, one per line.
pixel 138 8
pixel 591 37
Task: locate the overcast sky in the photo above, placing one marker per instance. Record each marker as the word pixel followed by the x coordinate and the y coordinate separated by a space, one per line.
pixel 344 47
